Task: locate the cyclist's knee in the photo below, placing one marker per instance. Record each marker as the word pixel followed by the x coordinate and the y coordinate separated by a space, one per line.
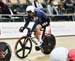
pixel 37 30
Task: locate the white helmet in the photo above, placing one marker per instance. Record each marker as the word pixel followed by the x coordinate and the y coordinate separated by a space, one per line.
pixel 30 8
pixel 59 54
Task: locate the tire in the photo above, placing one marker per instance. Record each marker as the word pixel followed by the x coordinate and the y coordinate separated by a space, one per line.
pixel 5 51
pixel 22 42
pixel 48 44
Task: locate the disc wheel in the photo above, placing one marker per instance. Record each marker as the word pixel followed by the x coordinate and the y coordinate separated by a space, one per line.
pixel 48 44
pixel 23 47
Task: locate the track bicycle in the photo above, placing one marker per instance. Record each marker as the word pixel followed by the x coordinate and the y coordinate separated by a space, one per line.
pixel 23 46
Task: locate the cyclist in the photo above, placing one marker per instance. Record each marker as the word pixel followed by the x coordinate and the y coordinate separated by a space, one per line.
pixel 40 18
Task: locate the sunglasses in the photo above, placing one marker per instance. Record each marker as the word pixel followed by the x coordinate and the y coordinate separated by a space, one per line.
pixel 28 11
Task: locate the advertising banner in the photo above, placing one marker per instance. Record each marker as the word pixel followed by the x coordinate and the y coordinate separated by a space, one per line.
pixel 11 29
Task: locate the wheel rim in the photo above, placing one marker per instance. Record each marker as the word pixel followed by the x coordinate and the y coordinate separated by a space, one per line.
pixel 25 45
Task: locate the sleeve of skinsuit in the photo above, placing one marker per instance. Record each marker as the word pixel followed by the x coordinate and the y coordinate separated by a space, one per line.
pixel 27 22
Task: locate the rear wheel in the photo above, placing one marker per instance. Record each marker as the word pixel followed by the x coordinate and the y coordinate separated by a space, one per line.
pixel 48 44
pixel 23 47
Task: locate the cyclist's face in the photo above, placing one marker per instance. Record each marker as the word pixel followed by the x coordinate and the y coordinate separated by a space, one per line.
pixel 31 14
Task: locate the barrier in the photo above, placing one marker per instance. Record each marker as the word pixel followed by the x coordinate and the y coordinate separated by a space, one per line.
pixel 16 16
pixel 47 14
pixel 63 28
pixel 11 29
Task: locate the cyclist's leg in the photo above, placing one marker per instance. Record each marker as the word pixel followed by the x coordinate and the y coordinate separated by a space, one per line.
pixel 48 30
pixel 37 34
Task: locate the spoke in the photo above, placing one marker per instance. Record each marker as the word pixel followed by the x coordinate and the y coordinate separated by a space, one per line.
pixel 21 43
pixel 23 52
pixel 19 50
pixel 27 48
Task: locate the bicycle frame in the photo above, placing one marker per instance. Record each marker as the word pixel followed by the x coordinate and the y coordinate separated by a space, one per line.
pixel 31 38
pixel 43 34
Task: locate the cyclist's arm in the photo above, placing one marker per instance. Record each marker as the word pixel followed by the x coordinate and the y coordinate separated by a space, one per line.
pixel 26 24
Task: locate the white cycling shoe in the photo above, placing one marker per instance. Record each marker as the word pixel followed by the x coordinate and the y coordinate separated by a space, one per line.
pixel 38 45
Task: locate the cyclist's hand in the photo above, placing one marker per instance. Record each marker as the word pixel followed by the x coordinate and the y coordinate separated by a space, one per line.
pixel 21 29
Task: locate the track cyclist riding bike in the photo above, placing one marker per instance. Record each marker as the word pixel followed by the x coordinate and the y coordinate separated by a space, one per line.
pixel 41 20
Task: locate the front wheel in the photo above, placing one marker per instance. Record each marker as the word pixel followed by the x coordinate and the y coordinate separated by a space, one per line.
pixel 23 47
pixel 48 44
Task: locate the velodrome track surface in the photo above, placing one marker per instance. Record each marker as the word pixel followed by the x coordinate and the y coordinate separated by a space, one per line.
pixel 68 42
